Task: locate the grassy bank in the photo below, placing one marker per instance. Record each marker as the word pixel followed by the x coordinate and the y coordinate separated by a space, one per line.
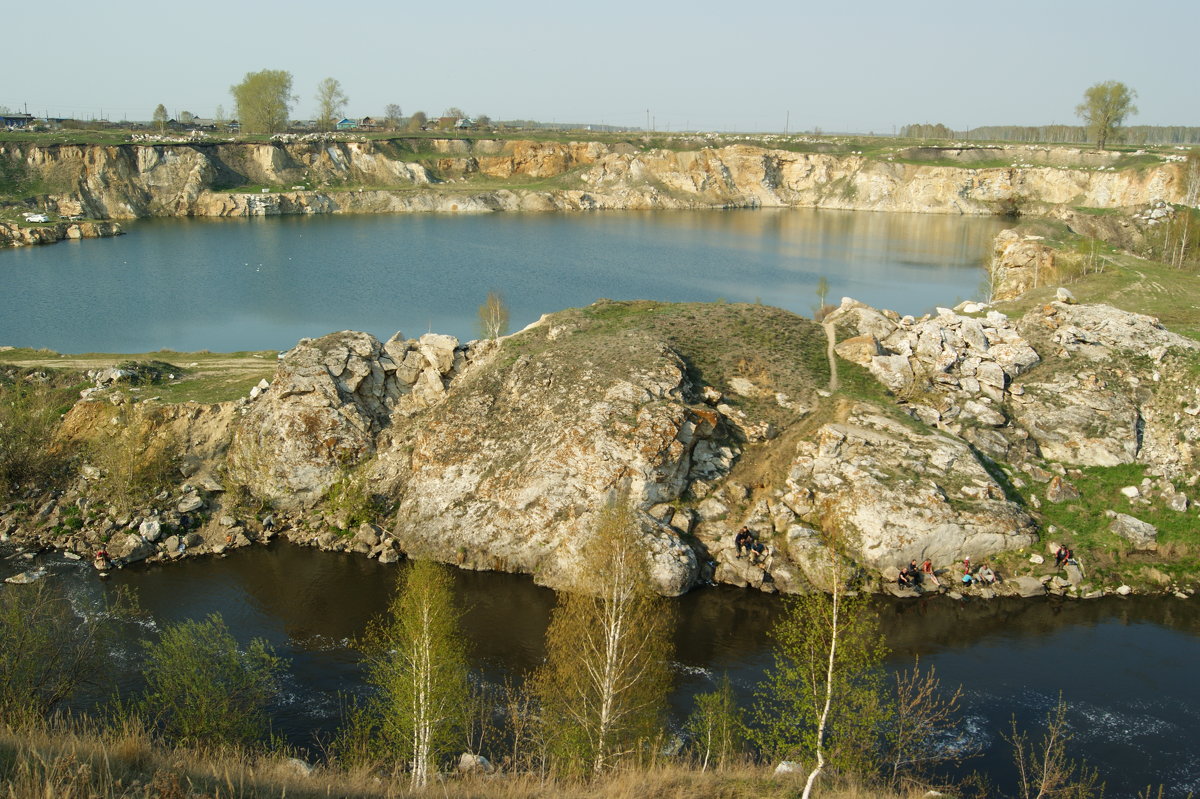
pixel 72 762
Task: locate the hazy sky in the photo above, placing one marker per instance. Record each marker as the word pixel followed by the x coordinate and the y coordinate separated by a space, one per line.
pixel 860 66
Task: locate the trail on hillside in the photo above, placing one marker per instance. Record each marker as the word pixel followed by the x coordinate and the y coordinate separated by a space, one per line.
pixel 830 340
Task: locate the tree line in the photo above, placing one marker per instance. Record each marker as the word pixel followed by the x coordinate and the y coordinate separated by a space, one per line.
pixel 1052 134
pixel 1103 111
pixel 596 706
pixel 263 101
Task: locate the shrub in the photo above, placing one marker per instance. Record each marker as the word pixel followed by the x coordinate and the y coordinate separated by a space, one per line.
pixel 203 691
pixel 29 415
pixel 47 650
pixel 136 464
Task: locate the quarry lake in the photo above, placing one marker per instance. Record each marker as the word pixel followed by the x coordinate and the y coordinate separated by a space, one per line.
pixel 263 283
pixel 1125 667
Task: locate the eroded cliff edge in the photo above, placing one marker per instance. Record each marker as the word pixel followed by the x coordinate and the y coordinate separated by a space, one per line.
pixel 943 438
pixel 128 181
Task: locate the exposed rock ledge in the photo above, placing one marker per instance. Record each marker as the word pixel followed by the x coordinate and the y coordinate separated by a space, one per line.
pixel 14 235
pixel 500 455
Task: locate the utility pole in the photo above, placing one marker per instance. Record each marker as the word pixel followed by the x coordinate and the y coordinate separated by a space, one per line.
pixel 647 119
pixel 788 124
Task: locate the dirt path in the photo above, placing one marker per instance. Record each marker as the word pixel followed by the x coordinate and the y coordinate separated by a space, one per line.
pixel 830 340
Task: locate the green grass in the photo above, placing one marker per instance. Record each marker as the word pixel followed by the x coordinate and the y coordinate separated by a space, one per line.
pixel 1130 283
pixel 1083 209
pixel 1084 524
pixel 214 377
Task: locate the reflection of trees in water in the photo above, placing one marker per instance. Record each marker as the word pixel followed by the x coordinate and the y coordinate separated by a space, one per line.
pixel 320 595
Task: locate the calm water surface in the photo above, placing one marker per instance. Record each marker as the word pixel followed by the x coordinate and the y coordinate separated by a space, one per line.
pixel 1125 667
pixel 228 285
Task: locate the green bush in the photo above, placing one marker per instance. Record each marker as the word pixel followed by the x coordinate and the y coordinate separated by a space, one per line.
pixel 201 690
pixel 29 415
pixel 47 650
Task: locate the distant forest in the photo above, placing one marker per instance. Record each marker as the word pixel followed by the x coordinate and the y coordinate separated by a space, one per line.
pixel 1054 134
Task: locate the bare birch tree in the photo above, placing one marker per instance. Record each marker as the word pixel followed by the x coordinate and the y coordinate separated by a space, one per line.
pixel 417 659
pixel 604 683
pixel 921 732
pixel 1043 768
pixel 493 316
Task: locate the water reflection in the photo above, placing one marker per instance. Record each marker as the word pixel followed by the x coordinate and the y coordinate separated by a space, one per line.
pixel 231 285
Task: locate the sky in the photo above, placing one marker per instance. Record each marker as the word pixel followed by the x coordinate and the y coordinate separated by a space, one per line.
pixel 862 66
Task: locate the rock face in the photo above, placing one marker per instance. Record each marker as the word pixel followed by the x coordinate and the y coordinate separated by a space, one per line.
pixel 330 400
pixel 892 493
pixel 158 179
pixel 1019 263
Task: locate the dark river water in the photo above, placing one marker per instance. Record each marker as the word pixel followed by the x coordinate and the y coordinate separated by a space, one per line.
pixel 1126 667
pixel 229 285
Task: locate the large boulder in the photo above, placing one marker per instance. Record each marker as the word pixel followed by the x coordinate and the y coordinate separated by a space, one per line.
pixel 1142 535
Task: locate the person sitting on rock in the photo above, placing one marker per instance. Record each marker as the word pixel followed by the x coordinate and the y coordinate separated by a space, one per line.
pixel 986 575
pixel 743 541
pixel 904 579
pixel 914 571
pixel 1060 556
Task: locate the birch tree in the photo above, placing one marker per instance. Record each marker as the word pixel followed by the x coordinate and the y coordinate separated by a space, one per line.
pixel 417 660
pixel 603 686
pixel 493 316
pixel 716 727
pixel 822 702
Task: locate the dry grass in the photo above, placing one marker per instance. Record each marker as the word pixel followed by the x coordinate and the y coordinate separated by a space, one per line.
pixel 71 762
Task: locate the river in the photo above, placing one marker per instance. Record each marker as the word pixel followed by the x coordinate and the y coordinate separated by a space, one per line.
pixel 1124 666
pixel 264 283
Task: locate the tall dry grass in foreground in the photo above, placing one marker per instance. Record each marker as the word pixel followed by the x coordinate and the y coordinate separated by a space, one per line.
pixel 68 761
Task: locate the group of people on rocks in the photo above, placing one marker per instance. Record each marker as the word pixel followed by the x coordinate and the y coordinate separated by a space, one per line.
pixel 914 576
pixel 981 575
pixel 750 546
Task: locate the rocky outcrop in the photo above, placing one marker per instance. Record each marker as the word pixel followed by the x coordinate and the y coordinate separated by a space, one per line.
pixel 330 400
pixel 704 418
pixel 14 235
pixel 1084 385
pixel 1019 263
pixel 890 493
pixel 330 176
